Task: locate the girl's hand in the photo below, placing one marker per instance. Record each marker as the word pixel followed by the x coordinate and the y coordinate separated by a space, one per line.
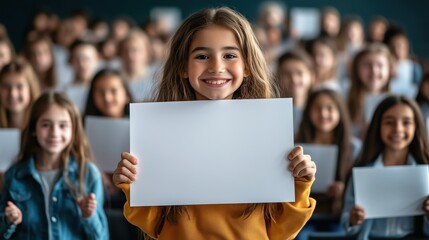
pixel 126 171
pixel 300 164
pixel 335 190
pixel 12 213
pixel 87 205
pixel 357 215
pixel 426 206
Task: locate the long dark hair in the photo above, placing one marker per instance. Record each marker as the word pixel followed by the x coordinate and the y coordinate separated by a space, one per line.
pixel 342 132
pixel 373 143
pixel 91 109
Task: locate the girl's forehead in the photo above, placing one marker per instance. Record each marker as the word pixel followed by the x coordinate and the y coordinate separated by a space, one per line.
pixel 55 110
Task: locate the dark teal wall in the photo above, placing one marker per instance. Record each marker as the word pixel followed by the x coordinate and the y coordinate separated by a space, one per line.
pixel 412 14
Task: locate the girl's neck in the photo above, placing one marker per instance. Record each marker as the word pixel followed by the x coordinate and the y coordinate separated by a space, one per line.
pixel 323 138
pixel 47 162
pixel 300 100
pixel 16 119
pixel 136 73
pixel 393 158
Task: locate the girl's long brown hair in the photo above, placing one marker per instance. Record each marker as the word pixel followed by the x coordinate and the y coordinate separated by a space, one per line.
pixel 78 147
pixel 356 97
pixel 173 87
pixel 342 132
pixel 22 67
pixel 373 143
pixel 259 83
pixel 50 80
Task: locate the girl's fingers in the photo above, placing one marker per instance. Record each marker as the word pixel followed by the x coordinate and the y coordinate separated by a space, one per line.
pixel 129 157
pixel 123 175
pixel 295 152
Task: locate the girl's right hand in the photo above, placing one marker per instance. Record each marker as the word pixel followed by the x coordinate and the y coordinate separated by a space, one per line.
pixel 357 215
pixel 126 171
pixel 13 214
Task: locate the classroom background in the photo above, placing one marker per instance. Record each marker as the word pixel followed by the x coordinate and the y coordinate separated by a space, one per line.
pixel 131 37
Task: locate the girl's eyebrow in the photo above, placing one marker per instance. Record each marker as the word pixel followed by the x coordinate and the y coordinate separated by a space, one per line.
pixel 208 49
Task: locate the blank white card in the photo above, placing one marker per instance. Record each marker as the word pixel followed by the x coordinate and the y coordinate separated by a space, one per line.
pixel 212 152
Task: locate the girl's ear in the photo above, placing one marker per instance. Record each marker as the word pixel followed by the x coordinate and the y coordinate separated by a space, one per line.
pixel 185 75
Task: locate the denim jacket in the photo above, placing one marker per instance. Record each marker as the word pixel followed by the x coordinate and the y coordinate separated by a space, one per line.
pixel 393 227
pixel 23 188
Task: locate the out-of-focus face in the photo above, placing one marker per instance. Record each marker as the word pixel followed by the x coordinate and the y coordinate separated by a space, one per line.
pixel 331 24
pixel 374 72
pixel 134 54
pixel 324 58
pixel 54 130
pixel 120 29
pixel 398 127
pixel 15 92
pixel 400 47
pixel 5 54
pixel 85 61
pixel 324 114
pixel 355 33
pixel 41 57
pixel 377 30
pixel 295 78
pixel 110 97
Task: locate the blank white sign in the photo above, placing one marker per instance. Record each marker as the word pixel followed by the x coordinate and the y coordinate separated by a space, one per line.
pixel 393 191
pixel 212 152
pixel 325 157
pixel 9 147
pixel 108 138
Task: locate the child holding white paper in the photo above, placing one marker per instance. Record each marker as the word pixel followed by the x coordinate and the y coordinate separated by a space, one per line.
pixel 326 122
pixel 53 191
pixel 109 96
pixel 396 136
pixel 296 77
pixel 371 72
pixel 19 88
pixel 214 55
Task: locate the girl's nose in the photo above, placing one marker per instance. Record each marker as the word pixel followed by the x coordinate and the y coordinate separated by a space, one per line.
pixel 216 66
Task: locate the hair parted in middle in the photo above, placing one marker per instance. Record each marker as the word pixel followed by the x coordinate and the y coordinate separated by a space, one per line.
pixel 174 87
pixel 373 143
pixel 79 145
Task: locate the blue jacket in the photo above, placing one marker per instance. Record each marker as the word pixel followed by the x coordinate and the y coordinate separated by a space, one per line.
pixel 394 227
pixel 23 187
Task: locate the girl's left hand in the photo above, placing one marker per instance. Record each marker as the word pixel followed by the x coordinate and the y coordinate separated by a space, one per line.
pixel 87 205
pixel 426 206
pixel 301 164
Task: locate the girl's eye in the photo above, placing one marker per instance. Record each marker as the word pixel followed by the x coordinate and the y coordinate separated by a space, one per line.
pixel 202 57
pixel 230 56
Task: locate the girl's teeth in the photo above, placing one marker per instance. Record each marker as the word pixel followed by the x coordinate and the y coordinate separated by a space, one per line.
pixel 217 82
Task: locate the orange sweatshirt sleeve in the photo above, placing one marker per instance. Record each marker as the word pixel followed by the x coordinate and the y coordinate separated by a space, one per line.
pixel 295 214
pixel 144 218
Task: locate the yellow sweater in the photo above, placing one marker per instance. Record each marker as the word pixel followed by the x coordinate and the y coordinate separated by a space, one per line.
pixel 225 221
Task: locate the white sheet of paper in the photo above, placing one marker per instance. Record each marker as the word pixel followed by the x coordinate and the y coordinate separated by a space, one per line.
pixel 212 152
pixel 108 138
pixel 9 147
pixel 325 157
pixel 392 191
pixel 306 21
pixel 78 94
